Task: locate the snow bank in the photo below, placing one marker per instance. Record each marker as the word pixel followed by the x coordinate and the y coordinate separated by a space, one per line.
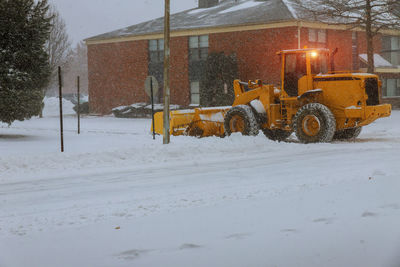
pixel 52 107
pixel 145 106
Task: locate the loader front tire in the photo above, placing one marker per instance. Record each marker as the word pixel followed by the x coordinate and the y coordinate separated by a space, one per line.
pixel 241 119
pixel 349 133
pixel 314 123
pixel 276 134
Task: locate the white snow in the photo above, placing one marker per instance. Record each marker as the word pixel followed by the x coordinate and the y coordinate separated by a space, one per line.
pixel 135 105
pixel 291 8
pixel 241 6
pixel 258 106
pixel 199 10
pixel 213 117
pixel 363 74
pixel 84 98
pixel 217 108
pixel 52 107
pixel 353 107
pixel 161 106
pixel 157 106
pixel 379 61
pixel 118 198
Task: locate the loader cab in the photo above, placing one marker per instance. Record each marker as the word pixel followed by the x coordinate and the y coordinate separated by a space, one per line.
pixel 298 67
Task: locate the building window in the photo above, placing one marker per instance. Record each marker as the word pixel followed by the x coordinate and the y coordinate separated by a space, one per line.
pixel 195 93
pixel 391 87
pixel 198 47
pixel 391 49
pixel 317 36
pixel 156 50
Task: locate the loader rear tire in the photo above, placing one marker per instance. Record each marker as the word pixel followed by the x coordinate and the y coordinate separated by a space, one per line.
pixel 241 119
pixel 349 133
pixel 314 123
pixel 276 134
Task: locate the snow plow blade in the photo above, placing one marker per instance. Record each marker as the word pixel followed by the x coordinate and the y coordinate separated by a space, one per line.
pixel 199 122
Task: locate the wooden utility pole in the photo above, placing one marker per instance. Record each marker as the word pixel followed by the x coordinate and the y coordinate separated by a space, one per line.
pixel 152 108
pixel 61 109
pixel 79 103
pixel 166 138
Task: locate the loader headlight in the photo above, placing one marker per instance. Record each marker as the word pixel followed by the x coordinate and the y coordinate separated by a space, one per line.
pixel 314 54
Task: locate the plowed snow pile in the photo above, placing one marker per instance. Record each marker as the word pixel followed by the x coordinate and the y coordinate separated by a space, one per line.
pixel 52 107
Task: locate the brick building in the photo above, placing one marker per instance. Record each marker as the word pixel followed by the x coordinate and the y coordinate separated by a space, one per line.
pixel 120 61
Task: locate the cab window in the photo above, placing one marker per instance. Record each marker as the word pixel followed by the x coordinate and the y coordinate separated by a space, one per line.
pixel 319 64
pixel 295 68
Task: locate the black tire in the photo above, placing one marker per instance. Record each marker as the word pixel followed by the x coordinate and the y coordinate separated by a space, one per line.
pixel 241 119
pixel 349 133
pixel 276 134
pixel 314 123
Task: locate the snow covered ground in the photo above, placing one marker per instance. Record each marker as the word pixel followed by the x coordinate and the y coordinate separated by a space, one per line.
pixel 118 198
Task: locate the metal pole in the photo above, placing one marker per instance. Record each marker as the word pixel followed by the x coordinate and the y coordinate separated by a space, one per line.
pixel 61 110
pixel 166 133
pixel 79 105
pixel 152 108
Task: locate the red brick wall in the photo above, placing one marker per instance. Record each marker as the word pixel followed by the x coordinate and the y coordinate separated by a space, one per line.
pixel 116 74
pixel 362 43
pixel 179 76
pixel 342 40
pixel 256 51
pixel 117 71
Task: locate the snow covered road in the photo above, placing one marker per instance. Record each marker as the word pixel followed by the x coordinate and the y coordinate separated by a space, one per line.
pixel 118 198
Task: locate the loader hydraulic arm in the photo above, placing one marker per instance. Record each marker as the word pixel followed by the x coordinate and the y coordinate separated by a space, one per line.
pixel 240 87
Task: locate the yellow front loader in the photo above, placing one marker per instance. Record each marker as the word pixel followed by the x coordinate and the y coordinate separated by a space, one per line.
pixel 317 104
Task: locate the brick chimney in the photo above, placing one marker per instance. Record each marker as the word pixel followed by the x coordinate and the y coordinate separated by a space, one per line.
pixel 208 3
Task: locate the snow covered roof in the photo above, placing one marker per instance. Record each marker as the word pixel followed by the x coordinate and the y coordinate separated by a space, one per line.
pixel 379 61
pixel 226 13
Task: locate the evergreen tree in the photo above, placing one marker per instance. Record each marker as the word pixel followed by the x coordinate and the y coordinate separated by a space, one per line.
pixel 24 63
pixel 217 81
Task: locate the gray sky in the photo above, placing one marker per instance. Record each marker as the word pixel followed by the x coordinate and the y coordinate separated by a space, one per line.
pixel 86 18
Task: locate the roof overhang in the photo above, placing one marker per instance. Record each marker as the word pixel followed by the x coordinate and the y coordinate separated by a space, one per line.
pixel 229 28
pixel 193 32
pixel 383 70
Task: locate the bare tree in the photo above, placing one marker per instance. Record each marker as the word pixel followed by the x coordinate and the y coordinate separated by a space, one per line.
pixel 372 16
pixel 58 45
pixel 76 66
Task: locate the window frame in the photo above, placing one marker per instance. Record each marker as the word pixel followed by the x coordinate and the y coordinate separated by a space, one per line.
pixel 198 47
pixel 156 55
pixel 385 89
pixel 194 93
pixel 391 51
pixel 317 35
